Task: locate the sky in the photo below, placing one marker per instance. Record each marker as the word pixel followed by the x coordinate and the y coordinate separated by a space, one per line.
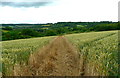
pixel 52 11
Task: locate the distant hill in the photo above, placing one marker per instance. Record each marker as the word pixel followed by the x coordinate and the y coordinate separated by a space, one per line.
pixel 20 31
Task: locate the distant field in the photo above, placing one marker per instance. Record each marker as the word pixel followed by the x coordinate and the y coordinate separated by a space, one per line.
pixel 98 51
pixel 45 25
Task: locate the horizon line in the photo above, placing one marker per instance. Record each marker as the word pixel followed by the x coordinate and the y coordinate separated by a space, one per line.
pixel 58 22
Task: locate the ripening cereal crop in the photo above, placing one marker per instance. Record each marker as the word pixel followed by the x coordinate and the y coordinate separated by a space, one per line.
pixel 99 52
pixel 18 51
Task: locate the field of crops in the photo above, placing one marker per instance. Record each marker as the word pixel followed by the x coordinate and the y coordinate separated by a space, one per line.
pixel 18 51
pixel 98 51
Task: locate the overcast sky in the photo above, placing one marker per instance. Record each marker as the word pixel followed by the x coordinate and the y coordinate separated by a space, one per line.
pixel 51 11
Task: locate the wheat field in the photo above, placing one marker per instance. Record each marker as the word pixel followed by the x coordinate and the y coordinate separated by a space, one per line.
pixel 18 51
pixel 98 51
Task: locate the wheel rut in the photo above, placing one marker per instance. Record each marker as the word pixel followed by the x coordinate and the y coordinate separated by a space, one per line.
pixel 59 58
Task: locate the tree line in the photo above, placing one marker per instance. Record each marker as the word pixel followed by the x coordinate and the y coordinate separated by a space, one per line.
pixel 9 33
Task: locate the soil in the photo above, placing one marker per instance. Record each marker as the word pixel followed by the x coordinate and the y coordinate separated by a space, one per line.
pixel 58 58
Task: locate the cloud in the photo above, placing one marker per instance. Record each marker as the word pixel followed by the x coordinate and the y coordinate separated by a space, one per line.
pixel 30 3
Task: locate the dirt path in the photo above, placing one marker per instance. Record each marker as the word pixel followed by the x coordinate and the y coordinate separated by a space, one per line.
pixel 59 58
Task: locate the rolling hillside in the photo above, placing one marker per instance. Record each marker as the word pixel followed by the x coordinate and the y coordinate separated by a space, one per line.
pixel 83 54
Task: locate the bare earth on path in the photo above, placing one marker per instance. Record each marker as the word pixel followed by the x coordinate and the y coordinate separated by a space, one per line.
pixel 59 58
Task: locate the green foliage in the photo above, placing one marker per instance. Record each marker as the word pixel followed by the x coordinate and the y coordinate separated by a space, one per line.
pixel 105 27
pixel 25 33
pixel 29 32
pixel 7 28
pixel 35 30
pixel 50 33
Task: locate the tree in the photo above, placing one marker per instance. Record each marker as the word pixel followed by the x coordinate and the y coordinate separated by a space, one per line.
pixel 29 32
pixel 8 28
pixel 50 32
